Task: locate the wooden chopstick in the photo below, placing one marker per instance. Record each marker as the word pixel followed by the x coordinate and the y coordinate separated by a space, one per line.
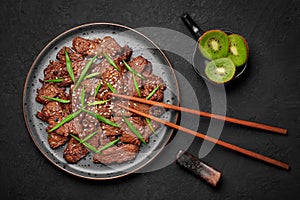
pixel 213 140
pixel 205 114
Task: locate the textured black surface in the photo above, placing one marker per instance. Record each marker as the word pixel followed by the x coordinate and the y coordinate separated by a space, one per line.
pixel 268 93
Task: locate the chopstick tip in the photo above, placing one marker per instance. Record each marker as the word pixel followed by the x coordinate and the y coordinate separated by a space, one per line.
pixel 285 132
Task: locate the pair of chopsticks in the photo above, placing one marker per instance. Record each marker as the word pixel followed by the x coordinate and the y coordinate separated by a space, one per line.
pixel 205 137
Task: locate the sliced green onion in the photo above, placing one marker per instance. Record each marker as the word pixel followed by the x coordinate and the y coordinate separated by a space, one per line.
pixel 112 143
pixel 153 92
pixel 136 85
pixel 54 80
pixel 98 102
pixel 108 145
pixel 97 89
pixel 133 71
pixel 85 143
pixel 112 89
pixel 101 118
pixel 147 119
pixel 69 66
pixel 133 129
pixel 110 61
pixel 57 99
pixel 92 75
pixel 84 71
pixel 88 137
pixel 82 96
pixel 66 119
pixel 150 125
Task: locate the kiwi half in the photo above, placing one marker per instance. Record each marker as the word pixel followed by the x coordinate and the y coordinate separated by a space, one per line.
pixel 238 49
pixel 213 44
pixel 220 70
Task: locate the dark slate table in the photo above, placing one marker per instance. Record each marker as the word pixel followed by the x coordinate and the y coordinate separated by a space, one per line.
pixel 268 92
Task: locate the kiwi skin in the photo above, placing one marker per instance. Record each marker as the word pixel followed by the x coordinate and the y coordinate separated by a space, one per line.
pixel 246 46
pixel 208 54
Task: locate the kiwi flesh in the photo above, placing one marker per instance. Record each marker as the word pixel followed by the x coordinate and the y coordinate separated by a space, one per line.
pixel 220 70
pixel 214 44
pixel 238 49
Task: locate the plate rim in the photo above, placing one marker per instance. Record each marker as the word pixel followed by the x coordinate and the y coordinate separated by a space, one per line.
pixel 31 69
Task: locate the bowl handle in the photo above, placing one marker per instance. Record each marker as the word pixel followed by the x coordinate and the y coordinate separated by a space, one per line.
pixel 192 26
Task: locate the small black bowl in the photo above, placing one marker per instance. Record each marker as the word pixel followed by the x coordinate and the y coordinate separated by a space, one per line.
pixel 199 61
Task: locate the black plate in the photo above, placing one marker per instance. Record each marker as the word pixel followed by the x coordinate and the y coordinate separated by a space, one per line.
pixel 141 45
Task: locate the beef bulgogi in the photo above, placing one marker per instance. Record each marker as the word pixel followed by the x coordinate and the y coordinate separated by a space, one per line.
pixel 85 118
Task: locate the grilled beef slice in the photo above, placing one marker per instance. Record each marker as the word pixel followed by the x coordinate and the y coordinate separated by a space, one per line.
pixel 117 154
pixel 61 56
pixel 57 70
pixel 102 66
pixel 141 65
pixel 56 140
pixel 150 84
pixel 49 90
pixel 109 46
pixel 110 130
pixel 53 113
pixel 52 110
pixel 127 135
pixel 105 110
pixel 85 46
pixel 74 151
